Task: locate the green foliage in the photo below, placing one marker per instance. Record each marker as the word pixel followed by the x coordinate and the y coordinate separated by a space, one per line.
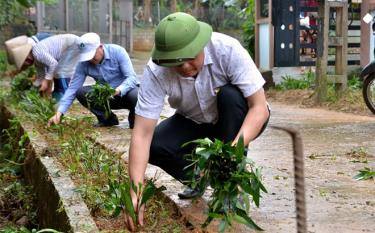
pixel 36 107
pixel 11 229
pixel 12 11
pixel 290 83
pixel 248 26
pixel 355 83
pixel 99 96
pixel 223 14
pixel 225 168
pixel 15 142
pixel 365 174
pixel 121 199
pixel 20 83
pixel 3 62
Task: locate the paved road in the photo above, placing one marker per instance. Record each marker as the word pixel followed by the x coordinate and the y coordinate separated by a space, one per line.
pixel 335 201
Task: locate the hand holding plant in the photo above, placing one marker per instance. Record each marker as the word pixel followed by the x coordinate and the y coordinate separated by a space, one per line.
pixel 130 199
pixel 225 168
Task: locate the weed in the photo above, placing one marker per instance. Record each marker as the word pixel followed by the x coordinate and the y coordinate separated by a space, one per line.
pixel 3 62
pixel 365 174
pixel 16 142
pixel 20 83
pixel 36 107
pixel 289 83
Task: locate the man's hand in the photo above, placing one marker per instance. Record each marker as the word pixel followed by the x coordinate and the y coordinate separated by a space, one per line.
pixel 46 87
pixel 117 91
pixel 130 224
pixel 56 119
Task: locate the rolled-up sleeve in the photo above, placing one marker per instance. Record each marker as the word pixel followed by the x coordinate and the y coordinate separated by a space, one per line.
pixel 150 97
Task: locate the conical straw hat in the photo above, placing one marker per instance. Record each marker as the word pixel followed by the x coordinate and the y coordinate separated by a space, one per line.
pixel 20 54
pixel 12 43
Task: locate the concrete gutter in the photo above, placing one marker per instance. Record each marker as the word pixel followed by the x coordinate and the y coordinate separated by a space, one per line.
pixel 59 206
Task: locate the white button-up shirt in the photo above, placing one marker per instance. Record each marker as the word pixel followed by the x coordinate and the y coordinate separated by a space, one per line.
pixel 225 61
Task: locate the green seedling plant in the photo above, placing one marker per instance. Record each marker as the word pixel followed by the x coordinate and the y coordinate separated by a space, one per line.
pixel 99 96
pixel 226 169
pixel 121 200
pixel 38 108
pixel 365 174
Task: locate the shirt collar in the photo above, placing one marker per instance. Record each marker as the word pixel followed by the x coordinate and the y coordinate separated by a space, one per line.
pixel 207 57
pixel 106 54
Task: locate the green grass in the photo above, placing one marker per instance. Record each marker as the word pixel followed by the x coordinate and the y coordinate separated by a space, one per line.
pixel 3 61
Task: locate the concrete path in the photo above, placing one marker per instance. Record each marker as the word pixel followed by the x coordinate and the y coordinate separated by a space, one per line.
pixel 335 201
pixel 332 142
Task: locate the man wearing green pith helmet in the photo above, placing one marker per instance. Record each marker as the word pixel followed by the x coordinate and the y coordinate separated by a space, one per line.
pixel 213 84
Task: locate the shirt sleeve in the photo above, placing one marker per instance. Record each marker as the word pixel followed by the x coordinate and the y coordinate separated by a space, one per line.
pixel 150 96
pixel 47 60
pixel 243 72
pixel 70 94
pixel 40 73
pixel 127 71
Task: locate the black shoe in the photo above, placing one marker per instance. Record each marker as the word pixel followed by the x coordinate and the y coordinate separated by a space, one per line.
pixel 111 122
pixel 190 193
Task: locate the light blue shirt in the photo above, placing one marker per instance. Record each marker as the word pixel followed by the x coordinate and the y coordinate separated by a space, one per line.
pixel 116 69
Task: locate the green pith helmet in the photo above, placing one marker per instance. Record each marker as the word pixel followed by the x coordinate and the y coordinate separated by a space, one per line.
pixel 179 37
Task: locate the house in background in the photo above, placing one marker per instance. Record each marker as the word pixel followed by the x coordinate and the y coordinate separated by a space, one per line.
pixel 286 34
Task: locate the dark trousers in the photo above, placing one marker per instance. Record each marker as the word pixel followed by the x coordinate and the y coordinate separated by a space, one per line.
pixel 60 86
pixel 118 102
pixel 172 133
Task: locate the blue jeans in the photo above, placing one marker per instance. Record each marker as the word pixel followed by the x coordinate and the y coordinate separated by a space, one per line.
pixel 60 86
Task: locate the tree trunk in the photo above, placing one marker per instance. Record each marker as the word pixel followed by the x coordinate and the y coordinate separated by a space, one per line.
pixel 321 81
pixel 147 11
pixel 196 10
pixel 173 5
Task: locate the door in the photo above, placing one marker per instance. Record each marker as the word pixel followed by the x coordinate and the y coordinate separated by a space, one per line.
pixel 284 19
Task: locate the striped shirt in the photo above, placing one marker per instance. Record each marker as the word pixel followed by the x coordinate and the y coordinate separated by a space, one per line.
pixel 225 61
pixel 48 52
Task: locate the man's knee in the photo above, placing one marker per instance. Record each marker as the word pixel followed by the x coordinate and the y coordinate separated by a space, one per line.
pixel 229 92
pixel 81 95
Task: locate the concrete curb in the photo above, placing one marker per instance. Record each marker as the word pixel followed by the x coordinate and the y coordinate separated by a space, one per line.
pixel 60 207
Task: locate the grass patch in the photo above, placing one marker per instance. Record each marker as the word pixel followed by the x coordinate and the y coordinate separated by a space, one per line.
pixel 92 167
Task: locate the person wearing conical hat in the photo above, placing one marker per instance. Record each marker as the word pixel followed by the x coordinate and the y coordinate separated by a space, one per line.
pixel 47 56
pixel 215 87
pixel 21 40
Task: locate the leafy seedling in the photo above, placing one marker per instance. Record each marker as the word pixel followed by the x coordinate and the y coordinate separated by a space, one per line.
pixel 99 96
pixel 226 169
pixel 121 199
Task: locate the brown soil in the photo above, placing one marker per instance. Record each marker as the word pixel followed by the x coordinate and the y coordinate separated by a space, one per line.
pixel 161 216
pixel 350 102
